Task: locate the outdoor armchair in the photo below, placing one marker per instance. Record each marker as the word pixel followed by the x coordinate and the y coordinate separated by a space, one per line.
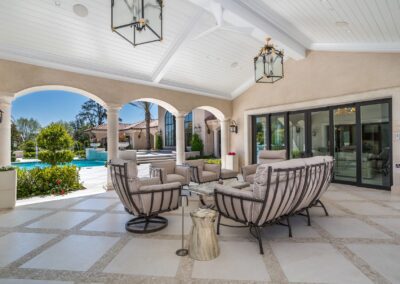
pixel 264 157
pixel 145 198
pixel 201 172
pixel 169 172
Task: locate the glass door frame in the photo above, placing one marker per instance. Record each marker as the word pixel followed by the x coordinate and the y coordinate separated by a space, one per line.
pixel 308 136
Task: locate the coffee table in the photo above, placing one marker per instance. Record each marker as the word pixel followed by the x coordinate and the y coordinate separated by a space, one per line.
pixel 206 190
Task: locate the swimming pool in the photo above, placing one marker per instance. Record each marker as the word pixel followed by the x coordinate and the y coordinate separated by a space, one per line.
pixel 78 163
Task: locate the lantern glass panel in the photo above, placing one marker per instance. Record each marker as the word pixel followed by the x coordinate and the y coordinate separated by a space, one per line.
pixel 259 68
pixel 138 21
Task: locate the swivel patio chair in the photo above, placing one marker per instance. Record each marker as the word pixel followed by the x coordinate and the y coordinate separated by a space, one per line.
pixel 264 157
pixel 201 172
pixel 169 172
pixel 145 198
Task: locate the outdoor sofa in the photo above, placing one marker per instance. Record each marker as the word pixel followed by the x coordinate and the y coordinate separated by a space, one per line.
pixel 201 171
pixel 280 190
pixel 169 172
pixel 264 157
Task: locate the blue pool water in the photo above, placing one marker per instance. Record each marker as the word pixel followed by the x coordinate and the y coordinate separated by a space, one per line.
pixel 78 163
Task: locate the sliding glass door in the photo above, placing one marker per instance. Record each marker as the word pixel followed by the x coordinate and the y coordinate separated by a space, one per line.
pixel 345 143
pixel 375 144
pixel 297 135
pixel 358 136
pixel 278 136
pixel 320 137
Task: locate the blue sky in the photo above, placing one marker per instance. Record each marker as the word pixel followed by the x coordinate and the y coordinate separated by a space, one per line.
pixel 50 106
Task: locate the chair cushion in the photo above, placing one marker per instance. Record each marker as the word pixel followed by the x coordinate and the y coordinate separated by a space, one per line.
pixel 196 163
pixel 176 178
pixel 209 176
pixel 250 178
pixel 272 154
pixel 168 166
pixel 225 174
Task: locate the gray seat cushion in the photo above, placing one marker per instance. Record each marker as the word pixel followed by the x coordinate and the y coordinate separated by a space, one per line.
pixel 250 178
pixel 225 174
pixel 209 176
pixel 176 178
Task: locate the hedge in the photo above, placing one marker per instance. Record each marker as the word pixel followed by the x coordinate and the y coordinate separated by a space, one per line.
pixel 46 181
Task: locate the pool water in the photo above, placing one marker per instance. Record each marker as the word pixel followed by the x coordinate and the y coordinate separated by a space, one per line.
pixel 78 163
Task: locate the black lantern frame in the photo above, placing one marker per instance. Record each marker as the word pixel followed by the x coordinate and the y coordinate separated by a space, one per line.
pixel 1 116
pixel 133 29
pixel 270 61
pixel 233 127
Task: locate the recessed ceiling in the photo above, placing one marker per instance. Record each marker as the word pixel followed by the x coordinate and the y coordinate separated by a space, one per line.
pixel 208 45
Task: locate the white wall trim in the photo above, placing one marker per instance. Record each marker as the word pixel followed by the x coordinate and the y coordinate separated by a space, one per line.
pixel 393 93
pixel 357 47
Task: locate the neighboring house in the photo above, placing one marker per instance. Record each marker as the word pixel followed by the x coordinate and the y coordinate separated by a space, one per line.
pixel 198 121
pixel 134 134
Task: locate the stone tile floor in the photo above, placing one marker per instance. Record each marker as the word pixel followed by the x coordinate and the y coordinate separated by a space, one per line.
pixel 82 240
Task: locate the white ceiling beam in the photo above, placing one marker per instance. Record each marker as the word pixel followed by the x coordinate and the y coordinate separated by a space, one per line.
pixel 171 55
pixel 291 46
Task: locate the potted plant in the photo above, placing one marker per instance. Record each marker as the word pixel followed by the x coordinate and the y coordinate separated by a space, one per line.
pixel 8 187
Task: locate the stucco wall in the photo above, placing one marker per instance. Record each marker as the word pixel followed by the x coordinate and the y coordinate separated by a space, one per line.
pixel 321 75
pixel 16 77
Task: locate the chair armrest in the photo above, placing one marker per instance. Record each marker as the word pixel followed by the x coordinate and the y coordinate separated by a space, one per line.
pixel 149 181
pixel 249 170
pixel 159 173
pixel 183 171
pixel 160 187
pixel 241 185
pixel 235 203
pixel 213 168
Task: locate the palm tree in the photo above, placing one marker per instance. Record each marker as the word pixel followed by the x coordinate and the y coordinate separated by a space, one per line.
pixel 146 107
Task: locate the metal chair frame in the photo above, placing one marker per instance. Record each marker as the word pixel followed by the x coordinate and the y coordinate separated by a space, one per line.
pixel 309 190
pixel 120 180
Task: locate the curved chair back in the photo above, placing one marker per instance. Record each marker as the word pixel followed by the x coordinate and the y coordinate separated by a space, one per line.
pixel 124 179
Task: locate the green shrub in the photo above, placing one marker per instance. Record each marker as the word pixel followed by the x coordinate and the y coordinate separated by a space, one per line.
pixel 6 169
pixel 159 142
pixel 51 180
pixel 58 157
pixel 197 143
pixel 29 148
pixel 80 153
pixel 29 155
pixel 55 142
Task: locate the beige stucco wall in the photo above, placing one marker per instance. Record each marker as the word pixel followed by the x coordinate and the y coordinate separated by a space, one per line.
pixel 16 77
pixel 321 75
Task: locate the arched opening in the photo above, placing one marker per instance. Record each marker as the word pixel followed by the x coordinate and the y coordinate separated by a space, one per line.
pixel 60 88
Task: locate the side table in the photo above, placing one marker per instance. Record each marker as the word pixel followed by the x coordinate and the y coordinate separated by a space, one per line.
pixel 203 243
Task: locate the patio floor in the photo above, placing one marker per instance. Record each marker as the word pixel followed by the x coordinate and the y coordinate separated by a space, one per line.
pixel 83 240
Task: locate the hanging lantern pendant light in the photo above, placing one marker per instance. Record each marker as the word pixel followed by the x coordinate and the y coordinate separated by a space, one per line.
pixel 268 64
pixel 137 21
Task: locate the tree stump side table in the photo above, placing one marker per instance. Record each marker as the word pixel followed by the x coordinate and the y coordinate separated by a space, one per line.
pixel 203 243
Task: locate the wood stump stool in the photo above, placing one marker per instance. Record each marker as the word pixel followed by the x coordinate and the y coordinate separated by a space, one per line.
pixel 203 243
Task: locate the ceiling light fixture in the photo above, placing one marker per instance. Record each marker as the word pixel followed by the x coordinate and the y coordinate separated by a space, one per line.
pixel 80 10
pixel 268 64
pixel 137 21
pixel 234 65
pixel 57 3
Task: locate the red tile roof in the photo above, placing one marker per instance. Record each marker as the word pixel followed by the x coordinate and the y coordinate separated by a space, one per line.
pixel 126 126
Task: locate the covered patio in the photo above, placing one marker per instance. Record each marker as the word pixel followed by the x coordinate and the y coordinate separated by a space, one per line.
pixel 323 130
pixel 83 240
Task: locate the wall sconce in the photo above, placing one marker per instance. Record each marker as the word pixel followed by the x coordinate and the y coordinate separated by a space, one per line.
pixel 233 127
pixel 1 115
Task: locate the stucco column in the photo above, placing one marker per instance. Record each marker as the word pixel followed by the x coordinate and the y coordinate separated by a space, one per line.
pixel 180 138
pixel 112 137
pixel 224 141
pixel 5 131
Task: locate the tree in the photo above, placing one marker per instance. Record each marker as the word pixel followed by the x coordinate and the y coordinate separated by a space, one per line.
pixel 146 107
pixel 197 143
pixel 92 114
pixel 55 144
pixel 28 128
pixel 16 138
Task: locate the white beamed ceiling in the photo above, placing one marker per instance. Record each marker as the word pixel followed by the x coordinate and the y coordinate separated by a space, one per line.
pixel 40 32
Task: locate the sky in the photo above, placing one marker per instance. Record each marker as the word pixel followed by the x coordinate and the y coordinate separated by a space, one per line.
pixel 51 106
